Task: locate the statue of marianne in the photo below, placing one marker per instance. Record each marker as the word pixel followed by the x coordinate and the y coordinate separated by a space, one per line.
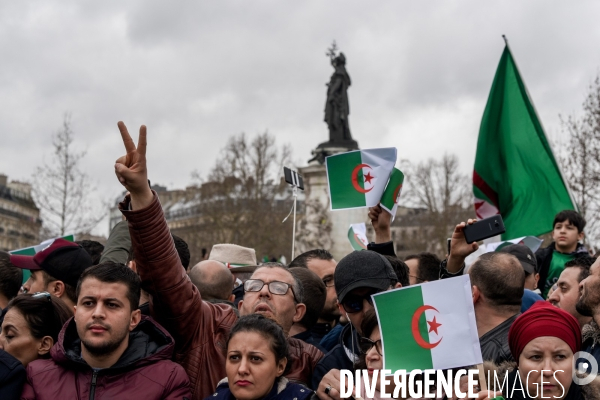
pixel 337 107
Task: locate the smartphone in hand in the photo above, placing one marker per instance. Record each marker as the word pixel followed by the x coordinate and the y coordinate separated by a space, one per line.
pixel 486 228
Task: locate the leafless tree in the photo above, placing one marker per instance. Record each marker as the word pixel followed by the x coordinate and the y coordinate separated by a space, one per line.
pixel 580 160
pixel 442 197
pixel 243 200
pixel 63 192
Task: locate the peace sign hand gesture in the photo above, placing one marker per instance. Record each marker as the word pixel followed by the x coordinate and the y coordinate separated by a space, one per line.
pixel 131 168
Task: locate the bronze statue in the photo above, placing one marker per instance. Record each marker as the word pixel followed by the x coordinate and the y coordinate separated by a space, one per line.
pixel 337 107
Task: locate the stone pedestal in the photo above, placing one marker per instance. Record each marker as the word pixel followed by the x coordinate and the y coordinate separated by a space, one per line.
pixel 315 184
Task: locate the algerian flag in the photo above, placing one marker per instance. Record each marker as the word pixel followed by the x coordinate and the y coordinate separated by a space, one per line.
pixel 357 235
pixel 428 326
pixel 515 171
pixel 357 178
pixel 31 251
pixel 391 194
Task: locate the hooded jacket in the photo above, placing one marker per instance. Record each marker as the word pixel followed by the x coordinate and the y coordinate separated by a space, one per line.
pixel 144 370
pixel 343 356
pixel 200 328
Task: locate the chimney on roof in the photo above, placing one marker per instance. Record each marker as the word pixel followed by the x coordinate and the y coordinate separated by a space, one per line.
pixel 3 180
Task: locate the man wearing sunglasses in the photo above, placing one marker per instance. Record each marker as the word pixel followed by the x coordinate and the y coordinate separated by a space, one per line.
pixel 200 328
pixel 358 276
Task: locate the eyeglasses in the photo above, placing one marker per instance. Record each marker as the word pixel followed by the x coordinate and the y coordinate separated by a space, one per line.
pixel 367 344
pixel 328 282
pixel 275 287
pixel 353 303
pixel 42 295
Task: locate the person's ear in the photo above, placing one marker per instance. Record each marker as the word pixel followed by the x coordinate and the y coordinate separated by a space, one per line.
pixel 133 266
pixel 231 297
pixel 56 288
pixel 300 311
pixel 136 317
pixel 580 236
pixel 281 366
pixel 45 345
pixel 476 294
pixel 398 285
pixel 240 303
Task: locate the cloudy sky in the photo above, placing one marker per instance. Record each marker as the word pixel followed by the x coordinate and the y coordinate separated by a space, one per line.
pixel 197 72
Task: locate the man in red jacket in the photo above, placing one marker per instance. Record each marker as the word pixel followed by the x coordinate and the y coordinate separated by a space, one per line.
pixel 200 328
pixel 108 350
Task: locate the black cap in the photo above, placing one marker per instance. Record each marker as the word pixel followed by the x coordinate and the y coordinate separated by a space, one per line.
pixel 524 254
pixel 62 260
pixel 360 269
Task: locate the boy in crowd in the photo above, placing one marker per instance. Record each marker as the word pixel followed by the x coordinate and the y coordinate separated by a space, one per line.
pixel 567 233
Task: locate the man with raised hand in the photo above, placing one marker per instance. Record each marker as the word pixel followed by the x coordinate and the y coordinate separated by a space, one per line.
pixel 200 328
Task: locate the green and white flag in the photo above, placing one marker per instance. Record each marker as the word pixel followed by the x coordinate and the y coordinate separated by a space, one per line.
pixel 357 235
pixel 515 172
pixel 358 178
pixel 428 326
pixel 391 194
pixel 31 251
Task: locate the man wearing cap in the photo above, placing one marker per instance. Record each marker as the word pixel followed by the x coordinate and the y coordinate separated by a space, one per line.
pixel 55 270
pixel 357 276
pixel 200 328
pixel 529 264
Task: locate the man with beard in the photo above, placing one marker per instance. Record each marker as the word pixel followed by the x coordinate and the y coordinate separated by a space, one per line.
pixel 588 305
pixel 321 262
pixel 200 328
pixel 108 350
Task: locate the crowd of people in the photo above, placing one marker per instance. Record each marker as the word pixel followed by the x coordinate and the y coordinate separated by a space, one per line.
pixel 135 320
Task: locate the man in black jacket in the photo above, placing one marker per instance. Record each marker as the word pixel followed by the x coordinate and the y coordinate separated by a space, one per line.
pixel 357 276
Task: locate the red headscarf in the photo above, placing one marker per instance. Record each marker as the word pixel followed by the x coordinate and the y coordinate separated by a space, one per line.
pixel 543 319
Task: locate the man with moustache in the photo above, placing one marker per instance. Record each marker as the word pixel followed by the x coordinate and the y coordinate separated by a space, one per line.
pixel 200 328
pixel 108 350
pixel 588 305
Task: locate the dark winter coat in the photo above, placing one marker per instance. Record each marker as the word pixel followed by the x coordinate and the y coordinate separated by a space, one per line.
pixel 144 370
pixel 282 390
pixel 12 377
pixel 340 357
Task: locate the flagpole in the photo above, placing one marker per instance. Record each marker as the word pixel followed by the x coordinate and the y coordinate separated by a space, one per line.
pixel 562 176
pixel 295 191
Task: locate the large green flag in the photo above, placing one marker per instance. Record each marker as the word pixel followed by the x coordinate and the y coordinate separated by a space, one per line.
pixel 515 171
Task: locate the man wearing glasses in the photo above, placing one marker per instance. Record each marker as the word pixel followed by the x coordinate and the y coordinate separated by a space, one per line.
pixel 200 328
pixel 358 276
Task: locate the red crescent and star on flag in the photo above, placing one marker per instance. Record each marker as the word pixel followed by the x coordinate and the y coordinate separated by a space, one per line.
pixel 367 178
pixel 433 327
pixel 397 193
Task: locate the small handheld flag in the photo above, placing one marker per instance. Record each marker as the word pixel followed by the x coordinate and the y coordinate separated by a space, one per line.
pixel 422 329
pixel 392 192
pixel 358 178
pixel 357 235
